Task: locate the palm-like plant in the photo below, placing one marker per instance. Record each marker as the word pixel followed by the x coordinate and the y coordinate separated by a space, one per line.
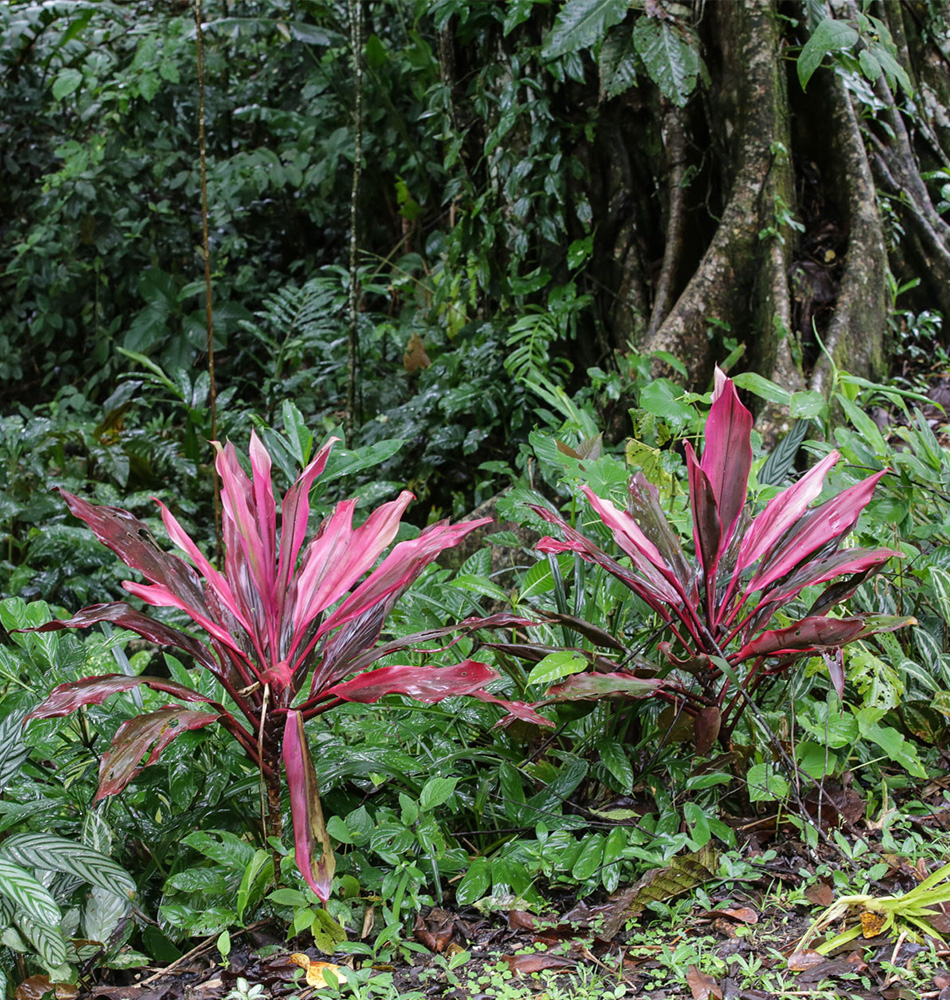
pixel 717 605
pixel 284 625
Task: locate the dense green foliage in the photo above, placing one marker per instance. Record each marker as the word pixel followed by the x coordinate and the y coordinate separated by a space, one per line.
pixel 512 226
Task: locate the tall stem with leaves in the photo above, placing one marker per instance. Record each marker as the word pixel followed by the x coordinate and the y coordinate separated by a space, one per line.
pixel 356 31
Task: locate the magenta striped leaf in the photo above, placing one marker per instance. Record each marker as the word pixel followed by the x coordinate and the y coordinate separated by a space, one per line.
pixel 428 684
pixel 312 849
pixel 727 455
pixel 590 686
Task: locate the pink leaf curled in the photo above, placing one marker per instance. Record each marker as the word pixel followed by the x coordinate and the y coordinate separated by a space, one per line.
pixel 312 849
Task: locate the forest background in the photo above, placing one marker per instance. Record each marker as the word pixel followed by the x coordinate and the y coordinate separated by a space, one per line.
pixel 498 249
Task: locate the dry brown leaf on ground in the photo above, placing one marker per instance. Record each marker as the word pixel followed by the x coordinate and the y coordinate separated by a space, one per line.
pixel 702 987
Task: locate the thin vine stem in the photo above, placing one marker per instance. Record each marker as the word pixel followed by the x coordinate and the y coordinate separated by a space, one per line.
pixel 209 312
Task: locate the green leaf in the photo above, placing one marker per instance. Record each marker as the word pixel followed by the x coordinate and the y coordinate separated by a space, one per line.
pixel 781 459
pixel 258 873
pixel 13 751
pixel 57 854
pixel 618 62
pixel 762 387
pixel 829 36
pixel 103 913
pixel 590 859
pixel 615 759
pixel 436 792
pixel 671 55
pixel 581 24
pixel 66 83
pixel 474 884
pixel 197 880
pixel 230 851
pixel 327 933
pixel 764 784
pixel 28 893
pixel 556 665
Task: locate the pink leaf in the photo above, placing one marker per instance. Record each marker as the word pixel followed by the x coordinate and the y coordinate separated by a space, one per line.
pixel 312 849
pixel 429 684
pixel 294 514
pixel 399 569
pixel 627 533
pixel 707 530
pixel 339 556
pixel 817 527
pixel 727 454
pixel 650 584
pixel 68 697
pixel 149 733
pixel 782 511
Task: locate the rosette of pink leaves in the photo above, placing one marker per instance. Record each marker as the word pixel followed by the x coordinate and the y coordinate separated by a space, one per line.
pixel 285 623
pixel 718 604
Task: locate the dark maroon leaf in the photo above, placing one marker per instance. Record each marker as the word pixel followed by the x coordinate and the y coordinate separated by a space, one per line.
pixel 805 634
pixel 592 687
pixel 121 614
pixel 707 529
pixel 133 543
pixel 94 690
pixel 149 733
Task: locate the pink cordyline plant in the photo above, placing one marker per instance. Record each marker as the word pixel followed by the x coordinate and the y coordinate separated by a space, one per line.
pixel 284 624
pixel 746 570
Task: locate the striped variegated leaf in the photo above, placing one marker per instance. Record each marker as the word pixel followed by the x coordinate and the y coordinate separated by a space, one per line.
pixel 13 751
pixel 103 914
pixel 57 854
pixel 46 938
pixel 28 893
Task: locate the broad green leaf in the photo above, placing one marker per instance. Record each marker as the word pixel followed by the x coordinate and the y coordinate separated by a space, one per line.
pixel 328 935
pixel 670 52
pixel 590 859
pixel 764 784
pixel 763 388
pixel 615 759
pixel 829 36
pixel 556 665
pixel 103 913
pixel 229 850
pixel 436 792
pixel 66 83
pixel 29 894
pixel 197 880
pixel 581 24
pixel 13 751
pixel 618 62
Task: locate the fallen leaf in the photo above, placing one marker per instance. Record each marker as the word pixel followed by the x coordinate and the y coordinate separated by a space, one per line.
pixel 820 894
pixel 315 970
pixel 798 961
pixel 39 986
pixel 524 965
pixel 743 914
pixel 703 987
pixel 872 923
